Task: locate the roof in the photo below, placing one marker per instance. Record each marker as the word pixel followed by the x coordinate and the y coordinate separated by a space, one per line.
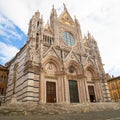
pixel 3 67
pixel 114 78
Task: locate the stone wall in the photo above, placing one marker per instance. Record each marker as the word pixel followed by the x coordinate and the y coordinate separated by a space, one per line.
pixel 32 109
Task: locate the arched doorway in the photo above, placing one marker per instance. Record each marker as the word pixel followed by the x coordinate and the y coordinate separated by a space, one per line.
pixel 73 85
pixel 90 83
pixel 50 92
pixel 51 69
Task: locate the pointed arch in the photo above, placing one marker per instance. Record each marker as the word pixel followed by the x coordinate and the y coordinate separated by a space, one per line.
pixel 54 62
pixel 77 66
pixel 91 69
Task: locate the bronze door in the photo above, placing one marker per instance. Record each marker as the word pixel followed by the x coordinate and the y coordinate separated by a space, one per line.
pixel 51 92
pixel 91 93
pixel 73 89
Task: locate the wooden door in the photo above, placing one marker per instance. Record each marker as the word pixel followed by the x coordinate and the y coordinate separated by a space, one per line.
pixel 91 93
pixel 51 92
pixel 73 89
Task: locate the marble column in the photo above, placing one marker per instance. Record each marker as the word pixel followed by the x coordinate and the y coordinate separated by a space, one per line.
pixel 66 90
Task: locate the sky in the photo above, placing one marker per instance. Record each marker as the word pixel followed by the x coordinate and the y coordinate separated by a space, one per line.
pixel 100 18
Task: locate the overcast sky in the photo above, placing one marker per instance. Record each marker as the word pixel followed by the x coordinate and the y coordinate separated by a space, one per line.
pixel 101 18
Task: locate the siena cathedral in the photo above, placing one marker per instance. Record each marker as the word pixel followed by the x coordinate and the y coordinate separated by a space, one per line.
pixel 57 64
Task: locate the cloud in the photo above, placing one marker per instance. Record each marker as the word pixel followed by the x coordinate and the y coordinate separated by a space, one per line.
pixel 101 18
pixel 7 52
pixel 11 38
pixel 8 28
pixel 10 33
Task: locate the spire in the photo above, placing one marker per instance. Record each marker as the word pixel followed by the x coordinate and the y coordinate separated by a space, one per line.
pixel 37 14
pixel 53 6
pixel 85 39
pixel 75 17
pixel 76 20
pixel 89 35
pixel 47 25
pixel 54 10
pixel 64 6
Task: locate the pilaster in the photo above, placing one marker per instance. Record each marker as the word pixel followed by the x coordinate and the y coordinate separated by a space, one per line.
pixel 66 90
pixel 42 88
pixel 87 99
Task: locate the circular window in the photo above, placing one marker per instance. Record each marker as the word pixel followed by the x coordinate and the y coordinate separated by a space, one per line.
pixel 68 38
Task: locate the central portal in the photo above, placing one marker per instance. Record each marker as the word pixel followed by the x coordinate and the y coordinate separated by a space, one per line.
pixel 50 92
pixel 73 89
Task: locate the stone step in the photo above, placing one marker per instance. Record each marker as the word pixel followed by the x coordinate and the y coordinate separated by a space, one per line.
pixel 26 109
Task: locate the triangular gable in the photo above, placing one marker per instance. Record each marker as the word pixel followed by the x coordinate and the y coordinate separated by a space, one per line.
pixel 65 18
pixel 48 28
pixel 89 61
pixel 51 52
pixel 72 56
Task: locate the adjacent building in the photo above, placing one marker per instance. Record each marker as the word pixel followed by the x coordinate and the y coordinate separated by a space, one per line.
pixel 3 82
pixel 114 87
pixel 57 64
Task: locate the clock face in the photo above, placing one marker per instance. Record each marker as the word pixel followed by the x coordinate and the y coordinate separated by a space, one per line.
pixel 68 38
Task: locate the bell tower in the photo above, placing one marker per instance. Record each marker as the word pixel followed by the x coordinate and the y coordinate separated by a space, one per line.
pixel 34 43
pixel 35 35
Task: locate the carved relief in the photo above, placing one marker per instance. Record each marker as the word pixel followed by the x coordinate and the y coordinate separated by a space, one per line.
pixel 72 70
pixel 89 75
pixel 31 54
pixel 50 68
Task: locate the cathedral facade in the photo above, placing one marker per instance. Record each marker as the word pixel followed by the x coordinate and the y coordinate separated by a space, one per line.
pixel 57 64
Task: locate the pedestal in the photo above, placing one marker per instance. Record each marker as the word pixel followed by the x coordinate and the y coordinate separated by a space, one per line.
pixel 13 99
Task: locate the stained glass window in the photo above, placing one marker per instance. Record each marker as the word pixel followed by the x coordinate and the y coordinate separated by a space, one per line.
pixel 68 38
